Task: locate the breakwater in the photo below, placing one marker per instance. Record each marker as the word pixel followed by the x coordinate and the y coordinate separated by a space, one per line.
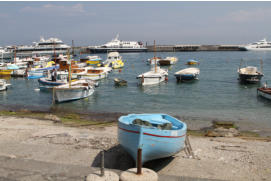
pixel 186 48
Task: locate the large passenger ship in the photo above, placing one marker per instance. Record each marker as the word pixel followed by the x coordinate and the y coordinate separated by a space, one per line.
pixel 119 46
pixel 43 47
pixel 260 45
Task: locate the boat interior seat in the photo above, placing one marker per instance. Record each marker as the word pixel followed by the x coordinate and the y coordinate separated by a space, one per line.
pixel 156 124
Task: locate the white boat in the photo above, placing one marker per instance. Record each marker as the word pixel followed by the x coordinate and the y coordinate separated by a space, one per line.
pixel 260 45
pixel 264 92
pixel 167 61
pixel 95 73
pixel 187 74
pixel 151 61
pixel 75 90
pixel 3 85
pixel 119 46
pixel 154 76
pixel 113 60
pixel 43 47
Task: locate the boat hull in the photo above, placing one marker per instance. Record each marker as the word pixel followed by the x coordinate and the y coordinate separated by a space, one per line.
pixel 264 92
pixel 250 79
pixel 186 77
pixel 155 144
pixel 5 72
pixel 70 94
pixel 151 80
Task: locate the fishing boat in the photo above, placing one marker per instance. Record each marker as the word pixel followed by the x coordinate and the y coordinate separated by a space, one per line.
pixel 167 61
pixel 158 135
pixel 187 74
pixel 73 90
pixel 113 60
pixel 120 82
pixel 151 61
pixel 250 74
pixel 192 62
pixel 95 73
pixel 3 85
pixel 154 76
pixel 49 83
pixel 264 92
pixel 93 60
pixel 37 73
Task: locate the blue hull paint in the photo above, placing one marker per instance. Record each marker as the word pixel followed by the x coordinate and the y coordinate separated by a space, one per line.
pixel 155 143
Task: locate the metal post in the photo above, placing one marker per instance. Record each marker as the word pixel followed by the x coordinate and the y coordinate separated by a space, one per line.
pixel 102 163
pixel 139 161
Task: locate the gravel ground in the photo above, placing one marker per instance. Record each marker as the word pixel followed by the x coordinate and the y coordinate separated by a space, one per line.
pixel 45 141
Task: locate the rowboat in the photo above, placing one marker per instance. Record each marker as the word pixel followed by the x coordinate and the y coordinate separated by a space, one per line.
pixel 167 61
pixel 158 135
pixel 192 62
pixel 187 74
pixel 264 92
pixel 120 82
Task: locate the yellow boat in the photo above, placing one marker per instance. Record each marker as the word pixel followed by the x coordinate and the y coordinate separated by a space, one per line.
pixel 5 72
pixel 113 60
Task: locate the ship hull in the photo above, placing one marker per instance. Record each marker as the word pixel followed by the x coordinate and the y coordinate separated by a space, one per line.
pixel 120 50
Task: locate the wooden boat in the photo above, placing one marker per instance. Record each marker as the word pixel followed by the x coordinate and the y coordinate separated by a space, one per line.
pixel 151 61
pixel 167 61
pixel 187 74
pixel 192 62
pixel 158 135
pixel 264 92
pixel 120 82
pixel 154 76
pixel 95 73
pixel 3 85
pixel 93 60
pixel 73 90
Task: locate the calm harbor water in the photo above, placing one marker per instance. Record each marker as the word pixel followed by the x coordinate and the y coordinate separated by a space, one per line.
pixel 217 95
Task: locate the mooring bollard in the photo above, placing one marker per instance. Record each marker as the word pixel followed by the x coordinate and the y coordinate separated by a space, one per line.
pixel 102 163
pixel 139 161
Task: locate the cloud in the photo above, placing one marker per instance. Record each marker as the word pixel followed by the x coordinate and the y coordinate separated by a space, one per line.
pixel 246 16
pixel 66 10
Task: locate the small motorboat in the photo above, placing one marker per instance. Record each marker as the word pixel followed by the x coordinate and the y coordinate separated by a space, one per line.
pixel 249 74
pixel 158 135
pixel 120 82
pixel 264 92
pixel 167 61
pixel 192 62
pixel 3 85
pixel 113 60
pixel 151 61
pixel 187 74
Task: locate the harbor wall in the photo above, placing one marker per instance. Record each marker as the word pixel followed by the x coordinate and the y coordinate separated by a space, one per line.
pixel 181 48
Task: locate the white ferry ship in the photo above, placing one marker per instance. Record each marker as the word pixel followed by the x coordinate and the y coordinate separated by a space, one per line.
pixel 260 45
pixel 118 46
pixel 43 47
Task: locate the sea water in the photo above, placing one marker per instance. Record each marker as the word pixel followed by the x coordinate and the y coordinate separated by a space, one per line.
pixel 216 95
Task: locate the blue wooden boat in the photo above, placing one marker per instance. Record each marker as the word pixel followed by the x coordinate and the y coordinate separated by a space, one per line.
pixel 158 135
pixel 187 74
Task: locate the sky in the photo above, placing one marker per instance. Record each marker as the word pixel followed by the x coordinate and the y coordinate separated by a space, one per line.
pixel 95 23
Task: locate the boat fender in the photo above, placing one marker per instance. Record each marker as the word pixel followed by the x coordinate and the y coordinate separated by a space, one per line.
pixel 142 79
pixel 166 79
